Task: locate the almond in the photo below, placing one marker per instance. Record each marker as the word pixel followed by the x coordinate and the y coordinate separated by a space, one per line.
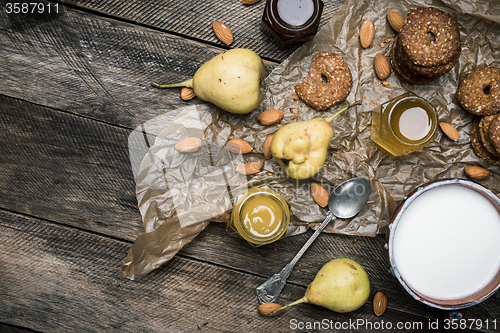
pixel 223 32
pixel 450 131
pixel 477 172
pixel 379 303
pixel 266 308
pixel 187 93
pixel 270 117
pixel 382 67
pixel 395 20
pixel 250 2
pixel 238 146
pixel 319 194
pixel 366 34
pixel 188 145
pixel 267 146
pixel 249 168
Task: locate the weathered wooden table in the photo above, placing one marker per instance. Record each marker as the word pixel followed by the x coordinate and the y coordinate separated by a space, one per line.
pixel 74 85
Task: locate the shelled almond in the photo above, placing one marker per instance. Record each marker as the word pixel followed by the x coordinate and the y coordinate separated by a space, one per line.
pixel 249 168
pixel 223 32
pixel 188 145
pixel 366 34
pixel 266 308
pixel 249 2
pixel 477 172
pixel 187 93
pixel 267 146
pixel 238 146
pixel 450 131
pixel 379 303
pixel 270 117
pixel 319 194
pixel 395 20
pixel 382 66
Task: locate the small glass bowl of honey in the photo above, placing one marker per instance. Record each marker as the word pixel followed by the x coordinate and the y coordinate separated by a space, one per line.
pixel 404 124
pixel 260 215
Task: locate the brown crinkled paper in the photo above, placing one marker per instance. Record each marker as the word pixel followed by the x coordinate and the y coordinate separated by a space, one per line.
pixel 179 194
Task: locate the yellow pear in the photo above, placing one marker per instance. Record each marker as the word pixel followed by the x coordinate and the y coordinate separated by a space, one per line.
pixel 341 285
pixel 301 147
pixel 232 80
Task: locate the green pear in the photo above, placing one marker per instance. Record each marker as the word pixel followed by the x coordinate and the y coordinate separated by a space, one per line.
pixel 232 80
pixel 301 147
pixel 341 285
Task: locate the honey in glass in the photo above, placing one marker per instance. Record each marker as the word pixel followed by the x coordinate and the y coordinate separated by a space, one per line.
pixel 404 124
pixel 260 215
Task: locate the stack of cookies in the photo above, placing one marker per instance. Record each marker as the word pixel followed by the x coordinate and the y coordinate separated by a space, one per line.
pixel 479 94
pixel 427 46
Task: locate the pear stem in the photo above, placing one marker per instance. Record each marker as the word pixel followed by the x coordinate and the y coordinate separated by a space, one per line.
pixel 302 300
pixel 329 119
pixel 187 83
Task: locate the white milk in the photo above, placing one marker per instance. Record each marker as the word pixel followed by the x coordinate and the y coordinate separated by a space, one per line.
pixel 447 243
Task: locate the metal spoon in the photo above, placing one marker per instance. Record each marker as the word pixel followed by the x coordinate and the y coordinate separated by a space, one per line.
pixel 346 200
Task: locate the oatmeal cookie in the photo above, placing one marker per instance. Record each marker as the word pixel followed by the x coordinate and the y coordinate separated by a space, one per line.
pixel 494 132
pixel 430 37
pixel 321 95
pixel 478 146
pixel 401 69
pixel 479 92
pixel 484 126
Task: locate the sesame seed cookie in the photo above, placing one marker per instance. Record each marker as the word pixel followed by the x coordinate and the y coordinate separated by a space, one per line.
pixel 401 69
pixel 478 146
pixel 479 92
pixel 319 95
pixel 430 37
pixel 484 126
pixel 494 132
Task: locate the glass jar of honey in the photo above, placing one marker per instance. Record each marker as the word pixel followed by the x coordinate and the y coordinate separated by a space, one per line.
pixel 291 23
pixel 404 124
pixel 260 215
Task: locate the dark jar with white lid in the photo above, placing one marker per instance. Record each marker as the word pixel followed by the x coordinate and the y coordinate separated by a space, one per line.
pixel 291 23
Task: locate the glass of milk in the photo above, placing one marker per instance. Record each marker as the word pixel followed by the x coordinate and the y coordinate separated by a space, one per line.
pixel 444 244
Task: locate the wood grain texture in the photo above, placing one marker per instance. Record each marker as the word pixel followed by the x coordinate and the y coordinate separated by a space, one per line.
pixel 74 85
pixel 66 168
pixel 175 17
pixel 6 328
pixel 95 67
pixel 75 171
pixel 57 279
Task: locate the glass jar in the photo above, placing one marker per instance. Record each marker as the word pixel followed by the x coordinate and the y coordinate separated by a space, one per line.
pixel 404 124
pixel 260 215
pixel 291 23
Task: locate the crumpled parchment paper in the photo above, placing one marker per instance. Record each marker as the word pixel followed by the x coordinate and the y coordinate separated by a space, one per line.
pixel 179 194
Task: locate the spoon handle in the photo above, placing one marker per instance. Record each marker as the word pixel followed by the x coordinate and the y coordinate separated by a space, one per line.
pixel 271 289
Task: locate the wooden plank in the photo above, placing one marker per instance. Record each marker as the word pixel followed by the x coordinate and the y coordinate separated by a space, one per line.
pixel 176 16
pixel 66 168
pixel 95 67
pixel 5 328
pixel 267 260
pixel 55 278
pixel 75 171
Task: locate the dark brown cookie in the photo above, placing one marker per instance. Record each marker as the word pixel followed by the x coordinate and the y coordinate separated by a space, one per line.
pixel 494 132
pixel 319 95
pixel 401 69
pixel 484 126
pixel 430 37
pixel 431 72
pixel 478 146
pixel 479 92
